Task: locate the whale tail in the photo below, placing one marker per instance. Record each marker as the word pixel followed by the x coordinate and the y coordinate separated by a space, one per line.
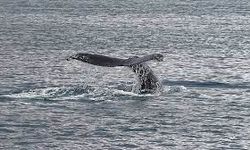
pixel 101 60
pixel 147 81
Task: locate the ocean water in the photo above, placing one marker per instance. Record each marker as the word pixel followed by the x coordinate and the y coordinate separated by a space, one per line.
pixel 47 102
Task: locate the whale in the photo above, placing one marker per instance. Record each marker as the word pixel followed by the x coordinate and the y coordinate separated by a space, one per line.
pixel 147 81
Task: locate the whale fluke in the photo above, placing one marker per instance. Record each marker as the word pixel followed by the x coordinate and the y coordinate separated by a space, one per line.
pixel 148 82
pixel 101 60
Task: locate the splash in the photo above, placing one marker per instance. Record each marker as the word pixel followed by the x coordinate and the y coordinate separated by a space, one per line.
pixel 126 93
pixel 53 92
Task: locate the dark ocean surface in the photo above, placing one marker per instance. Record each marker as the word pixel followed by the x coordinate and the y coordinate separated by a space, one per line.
pixel 47 102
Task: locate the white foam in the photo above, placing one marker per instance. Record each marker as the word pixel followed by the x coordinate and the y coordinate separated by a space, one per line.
pixel 53 92
pixel 121 92
pixel 174 89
